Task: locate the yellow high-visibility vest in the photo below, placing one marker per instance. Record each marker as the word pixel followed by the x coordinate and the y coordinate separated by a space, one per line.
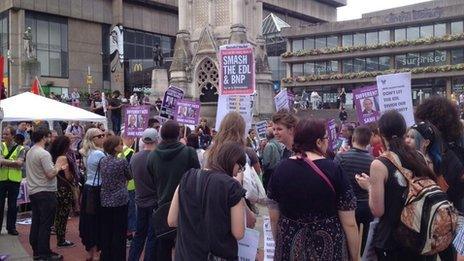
pixel 7 173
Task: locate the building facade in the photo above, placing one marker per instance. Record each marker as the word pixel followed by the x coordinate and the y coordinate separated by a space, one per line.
pixel 71 39
pixel 425 39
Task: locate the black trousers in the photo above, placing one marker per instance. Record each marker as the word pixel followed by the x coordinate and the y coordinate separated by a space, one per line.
pixel 163 249
pixel 363 216
pixel 113 233
pixel 10 190
pixel 267 174
pixel 43 214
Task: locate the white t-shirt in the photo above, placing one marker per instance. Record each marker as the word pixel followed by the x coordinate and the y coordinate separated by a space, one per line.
pixel 38 162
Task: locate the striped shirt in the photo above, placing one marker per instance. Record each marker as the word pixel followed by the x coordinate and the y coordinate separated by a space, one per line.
pixel 355 161
pixel 459 239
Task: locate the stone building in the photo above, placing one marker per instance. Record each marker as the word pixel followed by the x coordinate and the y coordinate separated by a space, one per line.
pixel 426 39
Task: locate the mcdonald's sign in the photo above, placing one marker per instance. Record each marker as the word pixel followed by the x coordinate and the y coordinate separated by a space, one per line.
pixel 137 67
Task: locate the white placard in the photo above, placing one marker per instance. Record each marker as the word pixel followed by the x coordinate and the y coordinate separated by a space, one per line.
pixel 282 100
pixel 240 104
pixel 261 129
pixel 395 94
pixel 248 245
pixel 269 244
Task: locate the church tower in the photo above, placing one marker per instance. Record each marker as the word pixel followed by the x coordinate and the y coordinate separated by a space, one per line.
pixel 205 25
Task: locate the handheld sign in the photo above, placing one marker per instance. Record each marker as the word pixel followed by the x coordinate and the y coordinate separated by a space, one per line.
pixel 395 94
pixel 283 100
pixel 269 243
pixel 261 128
pixel 171 96
pixel 236 70
pixel 240 104
pixel 366 100
pixel 332 133
pixel 187 112
pixel 135 120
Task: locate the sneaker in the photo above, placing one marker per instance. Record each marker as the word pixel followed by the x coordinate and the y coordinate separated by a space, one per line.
pixel 66 243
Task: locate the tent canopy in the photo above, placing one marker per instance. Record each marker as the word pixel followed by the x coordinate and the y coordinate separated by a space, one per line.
pixel 30 107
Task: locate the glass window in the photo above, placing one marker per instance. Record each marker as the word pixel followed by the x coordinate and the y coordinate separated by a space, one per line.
pixel 321 42
pixel 42 34
pixel 400 61
pixel 347 40
pixel 297 69
pixel 55 63
pixel 309 68
pixel 165 46
pixel 309 43
pixel 384 36
pixel 359 39
pixel 426 31
pixel 400 35
pixel 43 57
pixel 359 64
pixel 412 33
pixel 427 58
pixel 320 67
pixel 55 36
pixel 457 27
pixel 440 57
pixel 297 45
pixel 412 60
pixel 384 63
pixel 372 64
pixel 347 66
pixel 332 41
pixel 439 30
pixel 332 67
pixel 372 38
pixel 457 56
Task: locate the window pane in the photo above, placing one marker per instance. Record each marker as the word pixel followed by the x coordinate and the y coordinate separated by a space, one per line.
pixel 400 35
pixel 457 56
pixel 425 31
pixel 42 34
pixel 372 38
pixel 64 64
pixel 457 27
pixel 309 43
pixel 129 51
pixel 359 64
pixel 332 41
pixel 64 37
pixel 139 38
pixel 297 45
pixel 440 30
pixel 42 56
pixel 412 33
pixel 347 40
pixel 384 36
pixel 321 43
pixel 372 64
pixel 309 68
pixel 157 40
pixel 166 46
pixel 427 58
pixel 440 57
pixel 138 52
pixel 297 69
pixel 412 60
pixel 332 67
pixel 148 39
pixel 320 67
pixel 148 53
pixel 129 36
pixel 384 63
pixel 55 64
pixel 359 39
pixel 55 37
pixel 347 66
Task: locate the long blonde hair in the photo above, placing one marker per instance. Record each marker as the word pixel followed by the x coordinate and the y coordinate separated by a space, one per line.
pixel 232 128
pixel 88 143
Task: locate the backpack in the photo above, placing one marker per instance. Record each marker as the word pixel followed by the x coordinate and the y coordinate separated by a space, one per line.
pixel 428 220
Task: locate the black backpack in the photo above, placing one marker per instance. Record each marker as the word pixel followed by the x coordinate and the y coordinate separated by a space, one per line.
pixel 452 168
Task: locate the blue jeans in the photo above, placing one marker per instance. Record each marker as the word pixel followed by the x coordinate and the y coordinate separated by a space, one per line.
pixel 144 231
pixel 131 213
pixel 116 122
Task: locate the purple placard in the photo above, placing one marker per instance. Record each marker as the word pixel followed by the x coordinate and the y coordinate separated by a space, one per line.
pixel 332 133
pixel 236 70
pixel 188 112
pixel 366 100
pixel 168 107
pixel 135 120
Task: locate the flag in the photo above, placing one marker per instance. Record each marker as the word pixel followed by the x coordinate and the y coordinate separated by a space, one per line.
pixel 36 87
pixel 1 70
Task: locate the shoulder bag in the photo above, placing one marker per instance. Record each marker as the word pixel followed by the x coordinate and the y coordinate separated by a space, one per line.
pixel 92 199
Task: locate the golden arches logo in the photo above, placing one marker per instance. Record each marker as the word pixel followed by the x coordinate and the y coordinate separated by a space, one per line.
pixel 137 67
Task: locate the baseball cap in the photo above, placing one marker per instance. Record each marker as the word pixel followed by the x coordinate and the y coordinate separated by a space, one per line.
pixel 150 135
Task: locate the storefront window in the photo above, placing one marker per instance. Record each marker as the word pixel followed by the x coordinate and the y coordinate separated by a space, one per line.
pixel 332 67
pixel 297 69
pixel 320 67
pixel 297 45
pixel 440 57
pixel 384 36
pixel 347 66
pixel 359 39
pixel 321 42
pixel 372 38
pixel 457 27
pixel 400 35
pixel 308 43
pixel 372 64
pixel 332 41
pixel 427 58
pixel 426 31
pixel 400 61
pixel 359 64
pixel 439 30
pixel 384 63
pixel 412 33
pixel 309 68
pixel 347 40
pixel 457 56
pixel 458 84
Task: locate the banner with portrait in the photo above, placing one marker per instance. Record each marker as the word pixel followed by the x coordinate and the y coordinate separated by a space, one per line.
pixel 366 100
pixel 135 120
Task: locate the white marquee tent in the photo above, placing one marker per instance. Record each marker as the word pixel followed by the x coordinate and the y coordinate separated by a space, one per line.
pixel 30 107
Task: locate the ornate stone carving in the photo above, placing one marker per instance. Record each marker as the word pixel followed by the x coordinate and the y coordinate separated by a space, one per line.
pixel 222 12
pixel 201 13
pixel 208 81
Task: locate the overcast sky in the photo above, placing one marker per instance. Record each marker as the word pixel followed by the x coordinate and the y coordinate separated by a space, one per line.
pixel 355 8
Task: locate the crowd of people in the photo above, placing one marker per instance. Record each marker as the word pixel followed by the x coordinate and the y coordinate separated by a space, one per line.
pixel 179 194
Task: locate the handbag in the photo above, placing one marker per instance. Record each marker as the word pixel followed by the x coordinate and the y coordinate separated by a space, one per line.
pixel 160 223
pixel 255 192
pixel 92 199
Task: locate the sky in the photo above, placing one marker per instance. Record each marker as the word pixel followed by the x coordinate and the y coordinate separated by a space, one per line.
pixel 355 8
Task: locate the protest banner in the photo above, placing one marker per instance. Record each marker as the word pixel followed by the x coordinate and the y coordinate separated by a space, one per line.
pixel 135 120
pixel 261 129
pixel 332 133
pixel 366 101
pixel 284 100
pixel 269 243
pixel 395 94
pixel 168 107
pixel 240 104
pixel 236 70
pixel 187 112
pixel 248 245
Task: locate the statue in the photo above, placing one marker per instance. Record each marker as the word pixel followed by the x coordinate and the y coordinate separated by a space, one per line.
pixel 157 56
pixel 28 45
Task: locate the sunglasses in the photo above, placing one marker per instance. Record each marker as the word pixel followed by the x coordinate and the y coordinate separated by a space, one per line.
pixel 98 136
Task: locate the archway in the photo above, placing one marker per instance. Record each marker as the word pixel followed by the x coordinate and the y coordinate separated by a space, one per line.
pixel 208 81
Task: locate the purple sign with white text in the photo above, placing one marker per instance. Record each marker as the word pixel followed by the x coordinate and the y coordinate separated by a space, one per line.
pixel 135 120
pixel 366 100
pixel 187 112
pixel 332 133
pixel 171 96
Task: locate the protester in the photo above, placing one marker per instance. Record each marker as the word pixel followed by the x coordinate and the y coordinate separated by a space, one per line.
pixel 114 200
pixel 59 149
pixel 23 130
pixel 167 164
pixel 76 134
pixel 376 145
pixel 11 163
pixel 346 133
pixel 194 142
pixel 312 204
pixel 284 125
pixel 386 187
pixel 196 207
pixel 127 153
pixel 115 106
pixel 358 160
pixel 251 140
pixel 145 199
pixel 42 186
pixel 272 154
pixel 90 218
pixel 96 104
pixel 343 115
pixel 424 138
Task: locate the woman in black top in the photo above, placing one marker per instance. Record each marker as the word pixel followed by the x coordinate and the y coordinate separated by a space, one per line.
pixel 208 208
pixel 387 187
